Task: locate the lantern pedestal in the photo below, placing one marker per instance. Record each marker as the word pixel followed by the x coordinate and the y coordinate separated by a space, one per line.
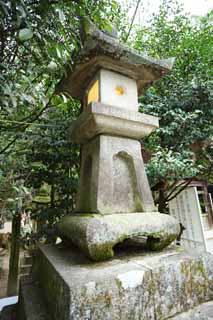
pixel 96 235
pixel 114 200
pixel 113 178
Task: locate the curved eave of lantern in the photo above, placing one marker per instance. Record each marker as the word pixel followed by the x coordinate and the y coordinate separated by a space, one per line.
pixel 103 51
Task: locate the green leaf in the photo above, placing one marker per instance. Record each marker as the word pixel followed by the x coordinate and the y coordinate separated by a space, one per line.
pixel 15 189
pixel 26 191
pixel 25 34
pixel 52 66
pixel 61 15
pixel 10 200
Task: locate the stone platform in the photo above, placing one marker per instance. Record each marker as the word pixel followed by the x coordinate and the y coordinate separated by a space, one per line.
pixel 133 286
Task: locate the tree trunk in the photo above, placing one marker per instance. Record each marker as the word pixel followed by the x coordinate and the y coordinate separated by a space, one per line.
pixel 12 286
pixel 52 196
pixel 162 201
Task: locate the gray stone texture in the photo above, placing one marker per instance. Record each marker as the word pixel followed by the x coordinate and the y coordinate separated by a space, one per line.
pixel 100 50
pixel 202 312
pixel 113 178
pixel 113 181
pixel 96 235
pixel 130 287
pixel 98 118
pixel 31 306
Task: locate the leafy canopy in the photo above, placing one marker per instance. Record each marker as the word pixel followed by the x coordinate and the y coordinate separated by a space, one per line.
pixel 183 100
pixel 37 42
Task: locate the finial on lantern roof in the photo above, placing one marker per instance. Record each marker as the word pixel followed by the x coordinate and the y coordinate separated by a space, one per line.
pixel 112 32
pixel 102 50
pixel 89 28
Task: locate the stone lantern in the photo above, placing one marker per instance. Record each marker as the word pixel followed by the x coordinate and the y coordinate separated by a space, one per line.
pixel 114 204
pixel 114 197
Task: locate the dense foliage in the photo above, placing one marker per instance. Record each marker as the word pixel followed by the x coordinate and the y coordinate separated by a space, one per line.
pixel 182 147
pixel 37 42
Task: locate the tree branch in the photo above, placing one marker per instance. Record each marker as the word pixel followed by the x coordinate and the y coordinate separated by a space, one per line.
pixel 180 190
pixel 175 187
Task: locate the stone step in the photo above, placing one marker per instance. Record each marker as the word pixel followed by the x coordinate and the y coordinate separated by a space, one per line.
pixel 26 259
pixel 23 275
pixel 25 269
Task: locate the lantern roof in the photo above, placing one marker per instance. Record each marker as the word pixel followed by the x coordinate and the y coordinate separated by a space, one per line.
pixel 103 50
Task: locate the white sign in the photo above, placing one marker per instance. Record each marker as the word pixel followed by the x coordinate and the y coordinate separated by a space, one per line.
pixel 186 209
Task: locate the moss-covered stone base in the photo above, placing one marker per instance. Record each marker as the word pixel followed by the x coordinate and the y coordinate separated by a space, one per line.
pixel 96 234
pixel 146 286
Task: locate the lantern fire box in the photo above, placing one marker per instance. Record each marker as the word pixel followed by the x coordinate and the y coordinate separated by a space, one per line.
pixel 113 89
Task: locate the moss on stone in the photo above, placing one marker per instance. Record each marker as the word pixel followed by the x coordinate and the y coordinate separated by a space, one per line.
pixel 201 268
pixel 101 252
pixel 138 204
pixel 155 242
pixel 96 235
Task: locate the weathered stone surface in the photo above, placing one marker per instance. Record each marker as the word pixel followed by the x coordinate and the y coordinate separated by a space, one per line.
pixel 113 178
pixel 99 118
pixel 130 287
pixel 202 312
pixel 103 51
pixel 96 235
pixel 31 304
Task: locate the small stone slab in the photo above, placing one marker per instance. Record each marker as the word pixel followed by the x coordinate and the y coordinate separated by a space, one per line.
pixel 97 234
pixel 99 118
